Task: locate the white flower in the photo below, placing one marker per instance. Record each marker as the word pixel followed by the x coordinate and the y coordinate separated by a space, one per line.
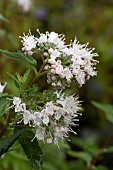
pixel 60 133
pixel 2 87
pixel 42 39
pixel 52 37
pixel 16 101
pixel 80 77
pixel 50 108
pixel 58 113
pixel 25 4
pixel 40 133
pixel 68 74
pixel 59 69
pixel 70 104
pixel 55 54
pixel 37 118
pixel 27 117
pixel 90 71
pixel 49 140
pixel 45 117
pixel 20 107
pixel 29 42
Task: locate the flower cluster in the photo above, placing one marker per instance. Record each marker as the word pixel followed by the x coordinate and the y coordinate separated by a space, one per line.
pixel 65 63
pixel 53 121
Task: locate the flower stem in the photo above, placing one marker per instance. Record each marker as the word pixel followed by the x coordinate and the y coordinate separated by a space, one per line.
pixel 39 73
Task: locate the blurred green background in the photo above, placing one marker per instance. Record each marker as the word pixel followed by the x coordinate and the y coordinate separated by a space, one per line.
pixel 90 21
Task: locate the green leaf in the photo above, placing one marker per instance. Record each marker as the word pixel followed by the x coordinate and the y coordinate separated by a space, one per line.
pixel 9 141
pixel 81 155
pixel 106 108
pixel 24 78
pixel 3 103
pixel 31 148
pixel 16 81
pixel 93 149
pixel 109 149
pixel 100 167
pixel 19 55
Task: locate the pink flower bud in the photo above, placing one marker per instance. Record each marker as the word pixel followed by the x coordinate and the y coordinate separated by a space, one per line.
pixel 30 53
pixel 53 78
pixel 45 54
pixel 50 51
pixel 53 66
pixel 51 61
pixel 62 75
pixel 53 71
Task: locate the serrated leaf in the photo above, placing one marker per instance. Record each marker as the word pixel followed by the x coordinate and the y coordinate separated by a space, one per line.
pixel 31 149
pixel 19 55
pixel 16 81
pixel 106 108
pixel 9 141
pixel 24 78
pixel 3 103
pixel 81 155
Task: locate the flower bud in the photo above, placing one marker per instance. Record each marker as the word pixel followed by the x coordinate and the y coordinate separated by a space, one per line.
pixel 45 54
pixel 30 53
pixel 53 71
pixel 50 51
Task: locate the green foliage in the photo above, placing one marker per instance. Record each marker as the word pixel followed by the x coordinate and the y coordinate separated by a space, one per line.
pixel 14 159
pixel 20 80
pixel 107 109
pixel 9 141
pixel 3 102
pixel 35 98
pixel 20 56
pixel 31 148
pixel 100 167
pixel 81 155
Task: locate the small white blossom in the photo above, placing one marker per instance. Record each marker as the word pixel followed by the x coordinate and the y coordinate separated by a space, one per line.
pixel 37 118
pixel 29 42
pixel 49 140
pixel 16 101
pixel 20 107
pixel 68 74
pixel 40 133
pixel 27 117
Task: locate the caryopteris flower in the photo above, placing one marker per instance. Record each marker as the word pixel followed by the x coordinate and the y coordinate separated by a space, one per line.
pixel 52 122
pixel 64 63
